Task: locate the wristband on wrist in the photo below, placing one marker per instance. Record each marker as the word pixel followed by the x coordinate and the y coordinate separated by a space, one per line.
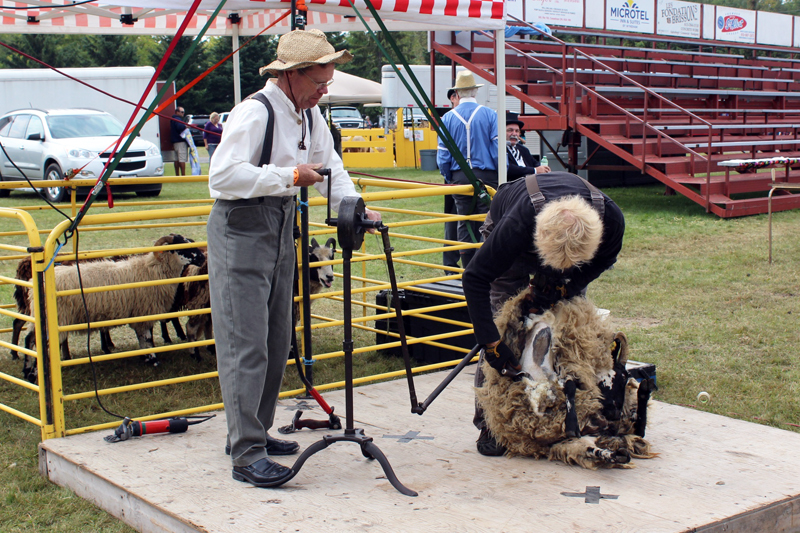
pixel 296 174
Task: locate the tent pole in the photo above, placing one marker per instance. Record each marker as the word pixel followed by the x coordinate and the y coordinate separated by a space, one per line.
pixel 500 75
pixel 237 81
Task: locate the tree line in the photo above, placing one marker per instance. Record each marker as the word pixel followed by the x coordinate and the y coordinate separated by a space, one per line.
pixel 215 91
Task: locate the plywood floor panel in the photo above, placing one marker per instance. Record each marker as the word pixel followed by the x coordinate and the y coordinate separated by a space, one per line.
pixel 713 472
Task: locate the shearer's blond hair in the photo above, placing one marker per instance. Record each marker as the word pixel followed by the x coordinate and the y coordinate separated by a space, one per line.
pixel 568 232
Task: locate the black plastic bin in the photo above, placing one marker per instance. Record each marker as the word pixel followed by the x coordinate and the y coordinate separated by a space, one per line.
pixel 417 326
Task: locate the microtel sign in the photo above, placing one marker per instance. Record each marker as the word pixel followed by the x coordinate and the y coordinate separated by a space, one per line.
pixel 630 15
pixel 731 23
pixel 629 11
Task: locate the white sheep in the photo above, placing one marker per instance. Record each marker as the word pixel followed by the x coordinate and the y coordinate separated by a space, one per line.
pixel 126 303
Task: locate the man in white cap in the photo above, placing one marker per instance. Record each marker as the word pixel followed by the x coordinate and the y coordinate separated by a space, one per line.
pixel 254 177
pixel 474 130
pixel 555 227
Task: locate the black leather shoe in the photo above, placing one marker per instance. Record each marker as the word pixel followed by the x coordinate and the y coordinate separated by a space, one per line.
pixel 487 445
pixel 281 447
pixel 263 473
pixel 275 447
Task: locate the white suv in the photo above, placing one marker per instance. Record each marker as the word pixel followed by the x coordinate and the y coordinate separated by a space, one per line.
pixel 49 144
pixel 347 117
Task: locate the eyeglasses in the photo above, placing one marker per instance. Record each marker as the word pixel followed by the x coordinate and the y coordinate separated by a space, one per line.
pixel 320 85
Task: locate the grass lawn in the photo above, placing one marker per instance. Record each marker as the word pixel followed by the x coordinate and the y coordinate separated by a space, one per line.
pixel 694 294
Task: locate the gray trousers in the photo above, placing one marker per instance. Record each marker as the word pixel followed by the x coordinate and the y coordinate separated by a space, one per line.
pixel 465 206
pixel 450 259
pixel 250 270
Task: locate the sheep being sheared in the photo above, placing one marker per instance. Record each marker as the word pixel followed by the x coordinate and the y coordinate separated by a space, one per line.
pixel 577 403
pixel 125 303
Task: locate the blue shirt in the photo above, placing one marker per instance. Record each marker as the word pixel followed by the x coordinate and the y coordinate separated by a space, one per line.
pixel 482 153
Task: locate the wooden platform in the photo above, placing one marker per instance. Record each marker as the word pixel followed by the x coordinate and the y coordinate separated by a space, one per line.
pixel 714 474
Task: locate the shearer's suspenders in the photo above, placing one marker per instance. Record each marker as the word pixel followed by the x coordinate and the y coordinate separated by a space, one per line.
pixel 266 150
pixel 468 124
pixel 538 200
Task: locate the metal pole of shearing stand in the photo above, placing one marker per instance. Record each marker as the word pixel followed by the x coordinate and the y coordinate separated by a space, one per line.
pixel 308 352
pixel 351 225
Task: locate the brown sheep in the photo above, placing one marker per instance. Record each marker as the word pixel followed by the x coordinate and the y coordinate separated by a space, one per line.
pixel 196 296
pixel 578 404
pixel 126 303
pixel 25 273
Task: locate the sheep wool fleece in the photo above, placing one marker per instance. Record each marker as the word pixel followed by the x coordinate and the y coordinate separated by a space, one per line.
pixel 251 264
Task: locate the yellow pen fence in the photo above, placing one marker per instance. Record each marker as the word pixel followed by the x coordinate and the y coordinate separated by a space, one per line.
pixel 62 400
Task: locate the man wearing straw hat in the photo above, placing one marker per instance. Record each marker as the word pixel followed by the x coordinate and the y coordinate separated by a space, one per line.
pixel 450 259
pixel 474 130
pixel 254 177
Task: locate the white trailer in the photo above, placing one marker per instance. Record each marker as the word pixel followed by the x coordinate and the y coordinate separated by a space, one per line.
pixel 47 89
pixel 396 95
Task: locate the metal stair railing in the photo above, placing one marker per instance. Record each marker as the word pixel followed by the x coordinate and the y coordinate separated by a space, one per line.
pixel 571 112
pixel 572 118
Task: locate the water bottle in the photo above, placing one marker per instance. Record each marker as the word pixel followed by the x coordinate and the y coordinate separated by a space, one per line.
pixel 544 161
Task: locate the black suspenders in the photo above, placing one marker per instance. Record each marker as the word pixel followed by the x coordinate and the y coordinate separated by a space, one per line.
pixel 266 150
pixel 538 200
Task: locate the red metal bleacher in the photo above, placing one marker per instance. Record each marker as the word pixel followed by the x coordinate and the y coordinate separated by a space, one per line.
pixel 671 114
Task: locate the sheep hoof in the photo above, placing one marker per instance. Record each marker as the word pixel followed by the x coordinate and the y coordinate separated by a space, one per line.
pixel 150 359
pixel 196 355
pixel 30 375
pixel 621 457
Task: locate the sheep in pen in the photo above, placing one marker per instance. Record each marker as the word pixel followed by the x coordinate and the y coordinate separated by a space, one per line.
pixel 576 401
pixel 126 303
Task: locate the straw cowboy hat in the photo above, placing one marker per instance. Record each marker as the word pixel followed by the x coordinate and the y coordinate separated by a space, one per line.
pixel 465 80
pixel 303 48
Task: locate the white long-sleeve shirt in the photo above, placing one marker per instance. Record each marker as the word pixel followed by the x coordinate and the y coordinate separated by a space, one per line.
pixel 234 171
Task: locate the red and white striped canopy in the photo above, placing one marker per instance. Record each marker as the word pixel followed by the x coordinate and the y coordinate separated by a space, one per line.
pixel 163 17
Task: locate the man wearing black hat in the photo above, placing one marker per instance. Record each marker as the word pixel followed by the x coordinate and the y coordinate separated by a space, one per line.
pixel 520 161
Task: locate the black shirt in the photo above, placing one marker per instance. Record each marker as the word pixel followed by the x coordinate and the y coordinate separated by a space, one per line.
pixel 512 241
pixel 515 170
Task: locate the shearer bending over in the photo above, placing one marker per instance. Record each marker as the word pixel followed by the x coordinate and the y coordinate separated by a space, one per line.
pixel 555 227
pixel 251 255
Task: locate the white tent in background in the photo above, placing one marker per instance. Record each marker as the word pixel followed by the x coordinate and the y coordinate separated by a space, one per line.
pixel 349 89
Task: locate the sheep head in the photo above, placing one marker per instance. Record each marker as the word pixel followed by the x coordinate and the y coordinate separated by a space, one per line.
pixel 188 256
pixel 322 274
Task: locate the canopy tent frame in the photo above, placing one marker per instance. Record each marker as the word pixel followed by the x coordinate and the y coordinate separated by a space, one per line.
pixel 239 18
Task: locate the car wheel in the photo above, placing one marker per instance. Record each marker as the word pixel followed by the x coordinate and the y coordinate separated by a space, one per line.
pixel 4 193
pixel 54 194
